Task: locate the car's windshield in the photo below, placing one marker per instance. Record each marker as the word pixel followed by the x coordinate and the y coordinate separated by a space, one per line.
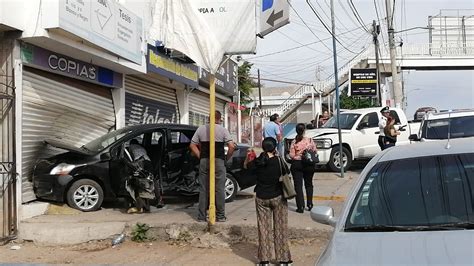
pixel 347 121
pixel 426 192
pixel 107 139
pixel 459 127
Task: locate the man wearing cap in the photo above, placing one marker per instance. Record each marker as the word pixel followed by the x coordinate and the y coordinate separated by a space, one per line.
pixel 382 123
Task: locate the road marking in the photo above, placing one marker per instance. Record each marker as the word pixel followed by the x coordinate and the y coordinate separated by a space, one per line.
pixel 334 198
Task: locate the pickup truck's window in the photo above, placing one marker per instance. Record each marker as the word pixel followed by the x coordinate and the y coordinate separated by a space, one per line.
pixel 460 127
pixel 347 121
pixel 371 120
pixel 415 194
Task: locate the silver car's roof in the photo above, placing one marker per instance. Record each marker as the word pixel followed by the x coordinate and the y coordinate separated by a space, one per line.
pixel 421 149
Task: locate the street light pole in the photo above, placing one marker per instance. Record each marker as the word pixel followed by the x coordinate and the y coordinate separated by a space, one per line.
pixel 336 83
pixel 397 86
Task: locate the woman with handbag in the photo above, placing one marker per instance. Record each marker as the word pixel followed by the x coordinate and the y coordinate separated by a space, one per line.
pixel 301 170
pixel 270 204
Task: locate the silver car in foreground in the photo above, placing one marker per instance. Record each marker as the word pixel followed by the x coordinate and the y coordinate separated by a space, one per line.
pixel 412 205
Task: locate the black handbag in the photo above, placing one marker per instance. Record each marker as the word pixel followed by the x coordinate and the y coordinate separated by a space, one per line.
pixel 287 185
pixel 309 157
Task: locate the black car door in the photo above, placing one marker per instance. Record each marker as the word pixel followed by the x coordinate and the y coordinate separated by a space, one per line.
pixel 120 164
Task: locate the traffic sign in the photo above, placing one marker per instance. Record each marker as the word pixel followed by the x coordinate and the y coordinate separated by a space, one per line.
pixel 274 14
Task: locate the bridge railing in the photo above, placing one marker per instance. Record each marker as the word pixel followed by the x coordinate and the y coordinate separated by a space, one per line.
pixel 428 50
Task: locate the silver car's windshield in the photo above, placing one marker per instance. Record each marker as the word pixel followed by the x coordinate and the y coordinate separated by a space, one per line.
pixel 458 127
pixel 347 121
pixel 426 193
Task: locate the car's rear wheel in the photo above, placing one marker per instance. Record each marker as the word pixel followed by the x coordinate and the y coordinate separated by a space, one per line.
pixel 231 188
pixel 85 195
pixel 335 159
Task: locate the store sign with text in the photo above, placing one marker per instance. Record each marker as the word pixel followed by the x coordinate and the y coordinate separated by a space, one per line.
pixel 67 66
pixel 166 66
pixel 140 110
pixel 226 77
pixel 104 23
pixel 363 82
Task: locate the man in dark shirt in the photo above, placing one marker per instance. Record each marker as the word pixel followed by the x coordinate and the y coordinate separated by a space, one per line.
pixel 200 148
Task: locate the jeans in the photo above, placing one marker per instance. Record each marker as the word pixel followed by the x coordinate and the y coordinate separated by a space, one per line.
pixel 302 173
pixel 204 188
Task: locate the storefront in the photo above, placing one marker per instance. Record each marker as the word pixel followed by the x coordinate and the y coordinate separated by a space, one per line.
pixel 63 99
pixel 156 97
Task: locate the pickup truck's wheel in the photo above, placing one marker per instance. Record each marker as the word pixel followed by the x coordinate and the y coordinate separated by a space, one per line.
pixel 231 188
pixel 335 162
pixel 85 195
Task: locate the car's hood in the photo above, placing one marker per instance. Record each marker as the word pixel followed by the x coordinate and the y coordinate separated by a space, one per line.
pixel 66 146
pixel 401 248
pixel 318 132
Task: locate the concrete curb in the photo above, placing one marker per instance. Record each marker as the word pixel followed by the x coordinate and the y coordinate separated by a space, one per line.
pixel 56 234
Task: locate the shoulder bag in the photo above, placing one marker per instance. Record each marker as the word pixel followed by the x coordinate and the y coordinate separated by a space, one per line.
pixel 286 180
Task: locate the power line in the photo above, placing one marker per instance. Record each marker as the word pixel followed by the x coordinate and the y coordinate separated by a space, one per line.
pixel 300 46
pixel 282 33
pixel 330 32
pixel 281 81
pixel 337 18
pixel 356 14
pixel 304 22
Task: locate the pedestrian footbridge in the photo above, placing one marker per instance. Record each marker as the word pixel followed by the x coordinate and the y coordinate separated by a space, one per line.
pixel 409 57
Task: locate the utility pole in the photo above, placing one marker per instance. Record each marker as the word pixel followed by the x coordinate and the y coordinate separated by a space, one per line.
pixel 375 34
pixel 260 100
pixel 336 83
pixel 397 86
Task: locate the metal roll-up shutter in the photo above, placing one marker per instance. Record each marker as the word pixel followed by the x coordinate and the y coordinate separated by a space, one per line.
pixel 199 107
pixel 147 102
pixel 57 107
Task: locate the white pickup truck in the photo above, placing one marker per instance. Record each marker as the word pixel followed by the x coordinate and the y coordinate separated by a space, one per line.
pixel 360 132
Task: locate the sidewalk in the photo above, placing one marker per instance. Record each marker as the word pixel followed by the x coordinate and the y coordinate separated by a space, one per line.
pixel 69 226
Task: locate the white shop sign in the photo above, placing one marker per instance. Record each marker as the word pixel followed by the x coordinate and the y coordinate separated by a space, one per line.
pixel 104 23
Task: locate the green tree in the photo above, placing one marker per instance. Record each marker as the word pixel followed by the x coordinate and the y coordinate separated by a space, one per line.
pixel 246 83
pixel 353 102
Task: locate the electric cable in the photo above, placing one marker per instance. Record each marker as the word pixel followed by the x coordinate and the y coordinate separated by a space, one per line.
pixel 304 22
pixel 297 47
pixel 330 32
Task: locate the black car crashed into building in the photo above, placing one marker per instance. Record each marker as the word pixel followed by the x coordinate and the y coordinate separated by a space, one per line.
pixel 83 177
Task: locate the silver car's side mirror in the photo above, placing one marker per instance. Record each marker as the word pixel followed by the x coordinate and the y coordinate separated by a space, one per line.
pixel 324 215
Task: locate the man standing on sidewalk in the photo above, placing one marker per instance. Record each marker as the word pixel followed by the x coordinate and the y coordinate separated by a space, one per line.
pixel 200 148
pixel 273 129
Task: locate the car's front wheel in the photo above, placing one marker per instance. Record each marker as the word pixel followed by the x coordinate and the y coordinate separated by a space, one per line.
pixel 85 195
pixel 231 188
pixel 335 159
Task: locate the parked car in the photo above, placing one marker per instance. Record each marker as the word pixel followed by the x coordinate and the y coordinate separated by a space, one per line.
pixel 83 177
pixel 412 205
pixel 446 124
pixel 360 132
pixel 422 111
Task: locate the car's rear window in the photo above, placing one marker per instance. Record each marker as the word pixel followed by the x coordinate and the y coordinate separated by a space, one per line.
pixel 458 127
pixel 416 192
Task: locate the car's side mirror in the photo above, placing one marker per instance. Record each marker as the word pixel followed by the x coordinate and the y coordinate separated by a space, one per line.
pixel 105 157
pixel 413 137
pixel 324 215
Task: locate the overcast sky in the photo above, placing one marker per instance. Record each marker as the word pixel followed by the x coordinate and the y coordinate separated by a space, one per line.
pixel 440 89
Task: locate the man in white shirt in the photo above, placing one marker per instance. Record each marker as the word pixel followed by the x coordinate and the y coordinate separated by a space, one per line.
pixel 382 123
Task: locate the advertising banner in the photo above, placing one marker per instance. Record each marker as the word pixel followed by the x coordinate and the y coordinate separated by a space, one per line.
pixel 363 82
pixel 104 23
pixel 165 66
pixel 140 110
pixel 205 30
pixel 67 66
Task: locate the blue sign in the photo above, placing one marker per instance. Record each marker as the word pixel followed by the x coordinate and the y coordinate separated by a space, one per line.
pixel 266 4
